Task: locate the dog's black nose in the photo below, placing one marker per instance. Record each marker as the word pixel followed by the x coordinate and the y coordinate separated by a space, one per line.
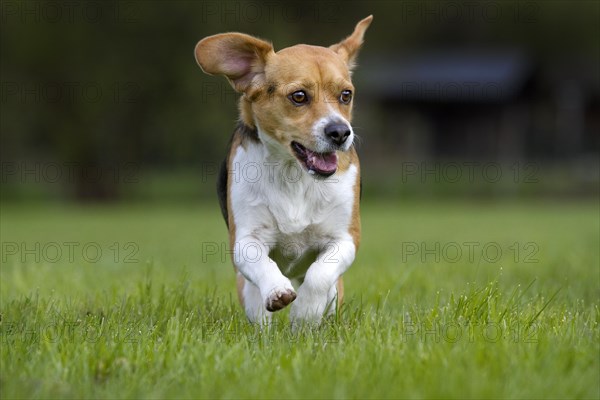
pixel 338 133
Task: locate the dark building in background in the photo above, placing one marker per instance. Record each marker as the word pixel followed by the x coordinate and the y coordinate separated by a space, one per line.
pixel 487 105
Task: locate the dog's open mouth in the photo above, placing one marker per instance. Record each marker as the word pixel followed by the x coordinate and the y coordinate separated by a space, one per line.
pixel 323 164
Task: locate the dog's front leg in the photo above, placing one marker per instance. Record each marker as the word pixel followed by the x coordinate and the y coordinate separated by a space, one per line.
pixel 265 288
pixel 314 295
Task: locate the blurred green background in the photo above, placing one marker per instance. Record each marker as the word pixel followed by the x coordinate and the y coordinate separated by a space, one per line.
pixel 104 102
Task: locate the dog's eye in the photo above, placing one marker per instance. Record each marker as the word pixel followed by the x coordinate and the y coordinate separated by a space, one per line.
pixel 299 97
pixel 346 96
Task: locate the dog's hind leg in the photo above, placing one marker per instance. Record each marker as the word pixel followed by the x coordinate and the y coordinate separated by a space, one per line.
pixel 335 298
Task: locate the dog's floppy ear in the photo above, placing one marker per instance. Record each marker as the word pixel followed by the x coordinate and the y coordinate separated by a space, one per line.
pixel 241 58
pixel 348 48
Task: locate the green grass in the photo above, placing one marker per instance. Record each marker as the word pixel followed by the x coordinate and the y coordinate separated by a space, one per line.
pixel 166 323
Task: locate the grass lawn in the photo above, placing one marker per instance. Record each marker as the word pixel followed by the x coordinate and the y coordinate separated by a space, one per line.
pixel 460 300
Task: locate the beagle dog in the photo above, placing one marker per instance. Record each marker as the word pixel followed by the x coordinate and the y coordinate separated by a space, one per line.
pixel 290 186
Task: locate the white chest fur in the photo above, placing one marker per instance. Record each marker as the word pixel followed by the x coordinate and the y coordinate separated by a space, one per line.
pixel 277 203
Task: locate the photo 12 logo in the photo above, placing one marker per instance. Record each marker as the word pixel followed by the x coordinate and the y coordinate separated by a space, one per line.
pixel 468 251
pixel 72 92
pixel 255 251
pixel 64 331
pixel 469 12
pixel 260 172
pixel 454 332
pixel 469 172
pixel 278 332
pixel 23 172
pixel 226 11
pixel 69 252
pixel 69 12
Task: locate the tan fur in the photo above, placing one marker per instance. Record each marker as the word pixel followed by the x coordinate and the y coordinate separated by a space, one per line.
pixel 241 281
pixel 355 227
pixel 322 72
pixel 340 293
pixel 348 47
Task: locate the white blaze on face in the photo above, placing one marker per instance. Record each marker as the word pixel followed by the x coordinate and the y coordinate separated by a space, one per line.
pixel 323 145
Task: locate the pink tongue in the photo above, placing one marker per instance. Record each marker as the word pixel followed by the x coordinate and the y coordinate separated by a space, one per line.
pixel 321 162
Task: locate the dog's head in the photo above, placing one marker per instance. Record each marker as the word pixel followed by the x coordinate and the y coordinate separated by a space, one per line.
pixel 299 98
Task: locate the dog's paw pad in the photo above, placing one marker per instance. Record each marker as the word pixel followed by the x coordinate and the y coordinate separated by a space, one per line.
pixel 280 299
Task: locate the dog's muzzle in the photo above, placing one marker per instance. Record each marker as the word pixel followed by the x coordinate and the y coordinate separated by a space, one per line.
pixel 337 133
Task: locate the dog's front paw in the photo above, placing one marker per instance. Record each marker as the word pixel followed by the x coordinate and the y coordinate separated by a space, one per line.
pixel 308 310
pixel 280 297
